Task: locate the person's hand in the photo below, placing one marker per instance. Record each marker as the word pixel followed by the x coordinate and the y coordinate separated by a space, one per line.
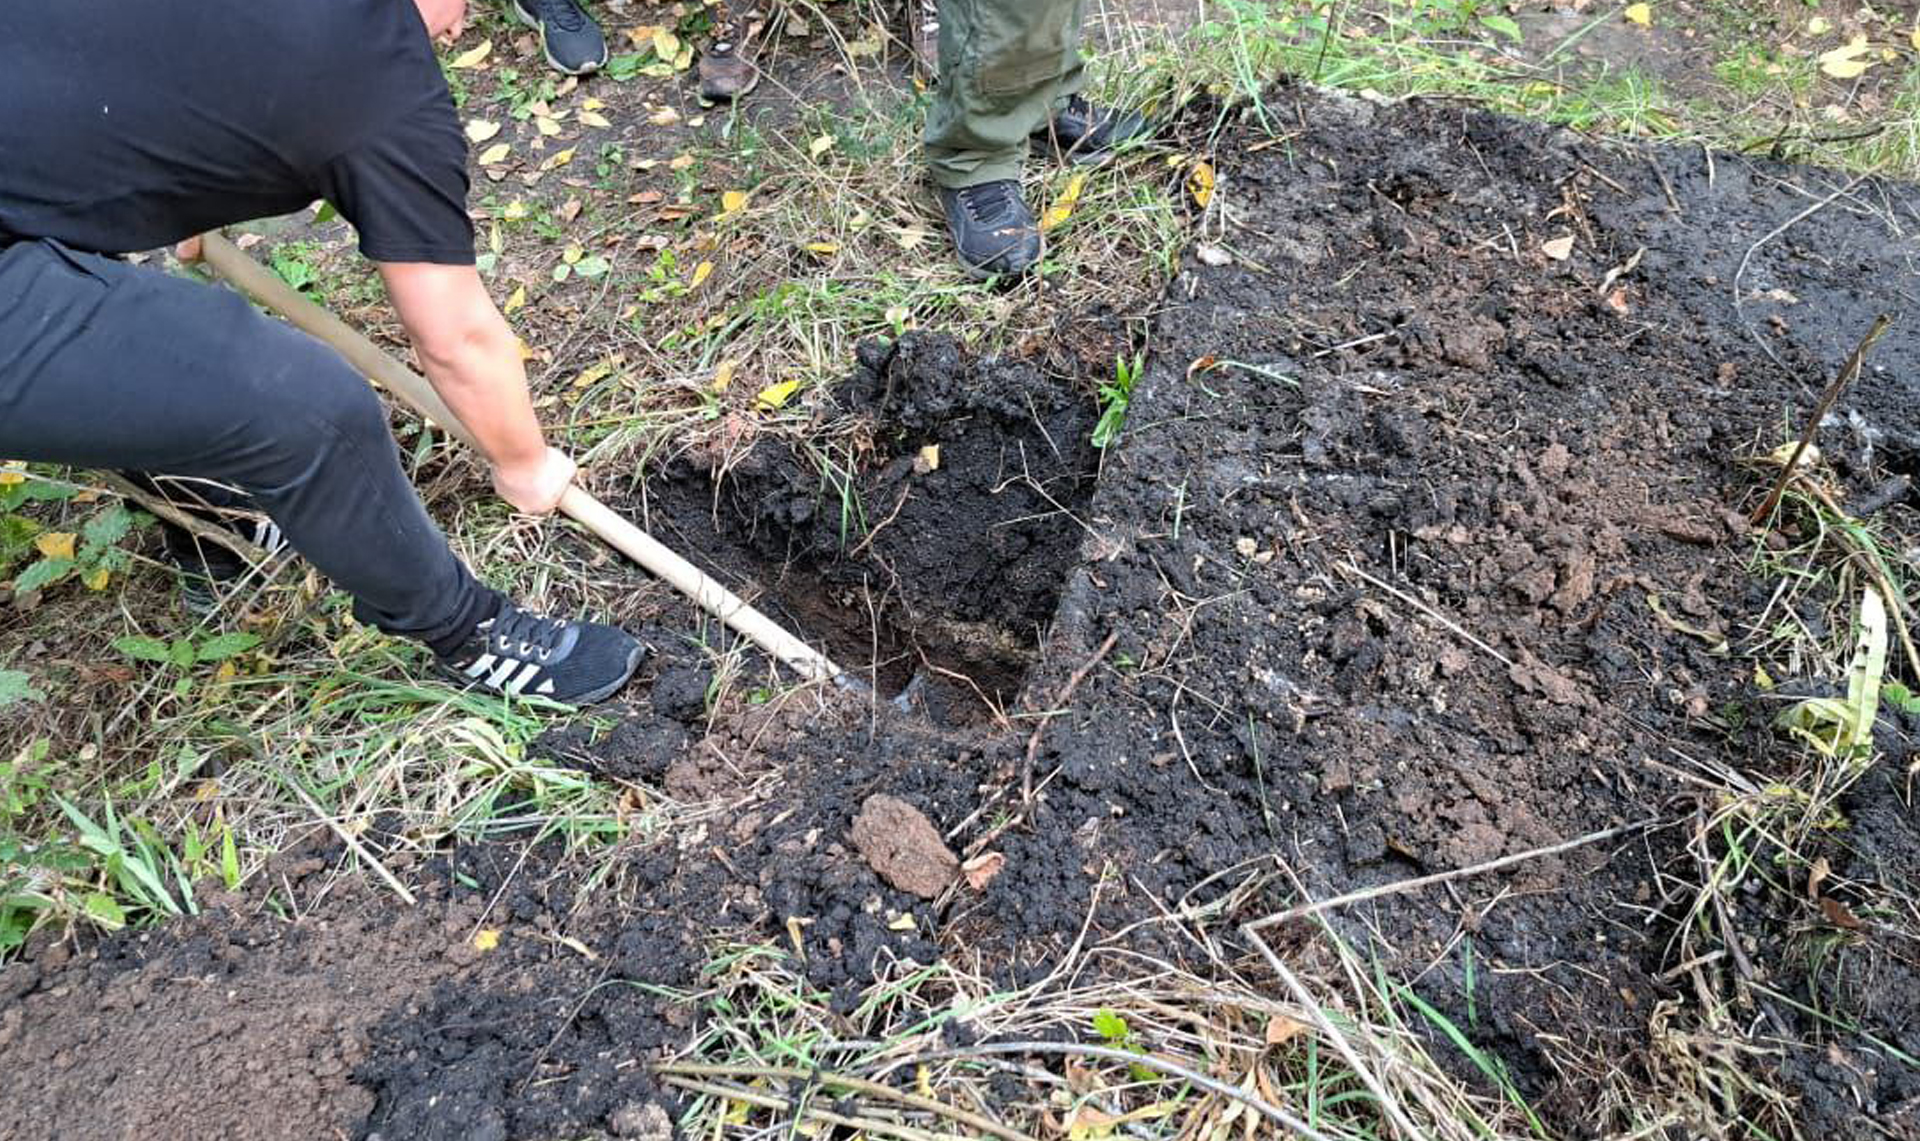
pixel 536 487
pixel 189 250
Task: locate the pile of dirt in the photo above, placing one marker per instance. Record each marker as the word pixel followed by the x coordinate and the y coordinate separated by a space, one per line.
pixel 1455 577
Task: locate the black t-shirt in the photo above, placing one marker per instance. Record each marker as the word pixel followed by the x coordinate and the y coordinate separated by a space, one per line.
pixel 129 124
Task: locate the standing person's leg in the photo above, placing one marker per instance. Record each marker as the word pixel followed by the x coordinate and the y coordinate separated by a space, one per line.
pixel 1003 64
pixel 106 365
pixel 571 41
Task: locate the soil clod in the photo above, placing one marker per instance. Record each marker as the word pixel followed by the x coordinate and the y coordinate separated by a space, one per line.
pixel 903 846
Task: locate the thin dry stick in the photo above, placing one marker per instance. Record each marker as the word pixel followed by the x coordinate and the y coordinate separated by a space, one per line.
pixel 825 1117
pixel 1418 882
pixel 1430 612
pixel 198 528
pixel 1789 224
pixel 1388 1105
pixel 1848 372
pixel 860 1085
pixel 1150 1061
pixel 1059 701
pixel 349 838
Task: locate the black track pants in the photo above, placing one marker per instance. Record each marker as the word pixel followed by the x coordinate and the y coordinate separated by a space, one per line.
pixel 107 365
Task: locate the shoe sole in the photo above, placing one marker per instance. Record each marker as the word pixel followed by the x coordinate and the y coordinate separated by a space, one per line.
pixel 533 22
pixel 737 96
pixel 981 273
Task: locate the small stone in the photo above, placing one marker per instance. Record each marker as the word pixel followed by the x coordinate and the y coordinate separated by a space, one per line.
pixel 644 1120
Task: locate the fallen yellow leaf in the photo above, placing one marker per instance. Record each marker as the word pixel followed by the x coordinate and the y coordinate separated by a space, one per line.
pixel 823 248
pixel 594 119
pixel 486 939
pixel 480 130
pixel 516 301
pixel 515 210
pixel 775 396
pixel 558 159
pixel 591 104
pixel 56 544
pixel 1641 14
pixel 824 143
pixel 1915 37
pixel 11 476
pixel 1818 26
pixel 664 117
pixel 680 162
pixel 1848 61
pixel 1559 249
pixel 733 201
pixel 546 126
pixel 1200 183
pixel 473 57
pixel 494 154
pixel 1062 207
pixel 700 274
pixel 928 460
pixel 722 377
pixel 96 579
pixel 666 45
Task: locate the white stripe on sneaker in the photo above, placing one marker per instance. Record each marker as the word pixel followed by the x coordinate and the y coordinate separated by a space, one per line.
pixel 500 676
pixel 519 684
pixel 546 687
pixel 480 665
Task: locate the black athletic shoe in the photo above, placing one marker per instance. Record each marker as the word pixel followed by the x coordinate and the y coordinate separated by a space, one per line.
pixel 992 228
pixel 1083 133
pixel 525 655
pixel 568 35
pixel 727 68
pixel 209 571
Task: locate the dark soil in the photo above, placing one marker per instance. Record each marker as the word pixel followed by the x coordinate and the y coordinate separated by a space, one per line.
pixel 1386 381
pixel 906 566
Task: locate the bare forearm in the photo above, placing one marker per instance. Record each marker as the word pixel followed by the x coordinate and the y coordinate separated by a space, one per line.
pixel 480 376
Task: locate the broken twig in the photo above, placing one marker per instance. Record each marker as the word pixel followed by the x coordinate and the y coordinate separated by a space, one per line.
pixel 1847 373
pixel 1059 701
pixel 1418 882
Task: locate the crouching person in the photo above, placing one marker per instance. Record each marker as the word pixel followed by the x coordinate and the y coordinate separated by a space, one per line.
pixel 132 126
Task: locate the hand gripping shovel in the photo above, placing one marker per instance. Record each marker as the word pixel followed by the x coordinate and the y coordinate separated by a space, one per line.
pixel 255 280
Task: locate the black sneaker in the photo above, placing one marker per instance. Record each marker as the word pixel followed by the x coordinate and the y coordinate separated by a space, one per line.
pixel 727 68
pixel 1083 133
pixel 569 36
pixel 992 228
pixel 209 571
pixel 525 655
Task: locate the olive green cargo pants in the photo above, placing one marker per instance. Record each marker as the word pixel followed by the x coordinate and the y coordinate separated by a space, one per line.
pixel 1003 66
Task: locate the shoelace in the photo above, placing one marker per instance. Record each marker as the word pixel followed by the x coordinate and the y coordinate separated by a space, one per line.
pixel 729 29
pixel 563 14
pixel 989 202
pixel 533 636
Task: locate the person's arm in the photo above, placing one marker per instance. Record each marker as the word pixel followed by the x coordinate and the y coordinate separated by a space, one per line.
pixel 472 359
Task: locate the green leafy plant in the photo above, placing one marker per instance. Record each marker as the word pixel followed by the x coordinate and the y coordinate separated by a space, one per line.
pixel 51 556
pixel 293 262
pixel 1115 399
pixel 17 688
pixel 182 654
pixel 1113 1029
